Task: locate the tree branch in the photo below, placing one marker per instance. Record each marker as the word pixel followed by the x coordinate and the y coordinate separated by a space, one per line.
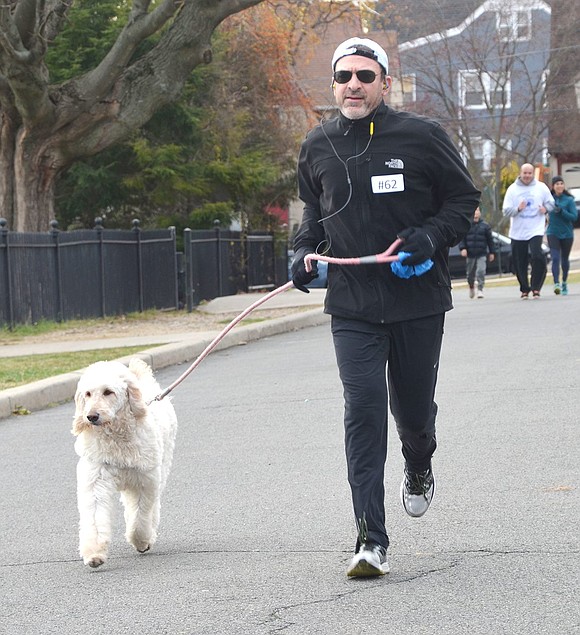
pixel 141 25
pixel 25 20
pixel 158 76
pixel 22 67
pixel 10 39
pixel 55 15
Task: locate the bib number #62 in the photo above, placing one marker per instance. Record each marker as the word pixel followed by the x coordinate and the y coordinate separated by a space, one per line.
pixel 387 183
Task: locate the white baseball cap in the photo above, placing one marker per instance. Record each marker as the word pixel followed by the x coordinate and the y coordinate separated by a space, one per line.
pixel 365 48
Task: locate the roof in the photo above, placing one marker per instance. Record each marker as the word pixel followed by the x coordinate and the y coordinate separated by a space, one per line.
pixel 446 29
pixel 434 16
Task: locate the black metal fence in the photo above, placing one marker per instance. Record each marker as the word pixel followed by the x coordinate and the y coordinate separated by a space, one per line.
pixel 102 272
pixel 224 262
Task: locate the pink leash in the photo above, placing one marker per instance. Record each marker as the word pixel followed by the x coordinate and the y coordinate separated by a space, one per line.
pixel 207 350
pixel 385 256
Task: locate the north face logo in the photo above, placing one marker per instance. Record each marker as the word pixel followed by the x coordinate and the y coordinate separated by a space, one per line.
pixel 397 164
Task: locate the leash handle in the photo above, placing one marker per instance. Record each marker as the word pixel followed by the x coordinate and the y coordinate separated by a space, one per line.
pixel 385 256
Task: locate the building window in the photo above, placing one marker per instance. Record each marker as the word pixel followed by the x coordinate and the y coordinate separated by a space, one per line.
pixel 514 26
pixel 482 158
pixel 479 90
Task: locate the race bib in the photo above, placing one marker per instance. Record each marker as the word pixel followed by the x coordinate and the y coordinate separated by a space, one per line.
pixel 387 183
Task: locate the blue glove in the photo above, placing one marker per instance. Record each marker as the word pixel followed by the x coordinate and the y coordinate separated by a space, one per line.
pixel 301 277
pixel 402 270
pixel 418 243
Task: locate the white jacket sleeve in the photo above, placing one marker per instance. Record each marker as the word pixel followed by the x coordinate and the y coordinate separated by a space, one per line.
pixel 510 205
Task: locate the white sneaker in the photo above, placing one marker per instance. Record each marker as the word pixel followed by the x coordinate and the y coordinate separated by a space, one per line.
pixel 371 560
pixel 471 292
pixel 480 294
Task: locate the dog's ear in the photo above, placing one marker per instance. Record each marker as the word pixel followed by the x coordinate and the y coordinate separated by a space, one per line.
pixel 135 398
pixel 79 423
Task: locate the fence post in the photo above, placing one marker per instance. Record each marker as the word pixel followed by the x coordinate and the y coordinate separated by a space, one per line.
pixel 188 270
pixel 8 292
pixel 55 233
pixel 174 242
pixel 137 230
pixel 99 230
pixel 220 286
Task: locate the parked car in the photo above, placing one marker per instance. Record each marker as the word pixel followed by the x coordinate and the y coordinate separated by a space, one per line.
pixel 318 283
pixel 501 264
pixel 575 192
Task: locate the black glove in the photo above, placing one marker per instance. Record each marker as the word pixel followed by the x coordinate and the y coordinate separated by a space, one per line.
pixel 301 277
pixel 418 243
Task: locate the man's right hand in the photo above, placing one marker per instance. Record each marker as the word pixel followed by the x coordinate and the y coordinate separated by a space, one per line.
pixel 301 277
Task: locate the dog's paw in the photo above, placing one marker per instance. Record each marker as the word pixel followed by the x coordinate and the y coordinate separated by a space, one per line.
pixel 142 541
pixel 94 561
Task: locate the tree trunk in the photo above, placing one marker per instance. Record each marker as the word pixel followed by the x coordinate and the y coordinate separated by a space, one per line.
pixel 44 129
pixel 35 173
pixel 7 142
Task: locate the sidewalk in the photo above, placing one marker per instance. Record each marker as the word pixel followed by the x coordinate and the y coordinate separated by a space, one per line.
pixel 170 348
pixel 179 348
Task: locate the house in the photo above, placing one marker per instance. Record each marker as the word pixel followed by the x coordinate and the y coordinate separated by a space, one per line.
pixel 480 68
pixel 484 78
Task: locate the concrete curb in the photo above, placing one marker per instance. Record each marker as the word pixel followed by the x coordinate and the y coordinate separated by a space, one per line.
pixel 61 388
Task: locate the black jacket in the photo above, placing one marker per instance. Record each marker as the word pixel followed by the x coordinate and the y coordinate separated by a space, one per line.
pixel 478 241
pixel 419 181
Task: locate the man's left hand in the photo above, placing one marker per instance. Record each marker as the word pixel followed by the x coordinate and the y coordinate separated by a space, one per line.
pixel 418 243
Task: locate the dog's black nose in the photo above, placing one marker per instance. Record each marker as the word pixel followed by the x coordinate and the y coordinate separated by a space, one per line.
pixel 94 419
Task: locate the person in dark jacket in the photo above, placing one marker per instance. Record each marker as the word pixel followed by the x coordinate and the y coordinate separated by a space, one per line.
pixel 477 247
pixel 560 233
pixel 366 177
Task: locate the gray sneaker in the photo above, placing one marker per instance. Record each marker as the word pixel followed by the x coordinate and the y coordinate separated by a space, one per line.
pixel 371 560
pixel 417 491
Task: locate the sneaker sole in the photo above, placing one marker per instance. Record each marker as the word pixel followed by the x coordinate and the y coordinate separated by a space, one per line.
pixel 364 569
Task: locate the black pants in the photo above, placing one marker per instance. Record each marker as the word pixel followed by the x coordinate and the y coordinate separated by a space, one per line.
pixel 404 356
pixel 520 263
pixel 560 249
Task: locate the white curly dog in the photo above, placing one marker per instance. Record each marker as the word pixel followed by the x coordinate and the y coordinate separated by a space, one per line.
pixel 124 445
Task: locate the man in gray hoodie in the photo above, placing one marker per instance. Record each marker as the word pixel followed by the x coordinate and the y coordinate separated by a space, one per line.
pixel 526 203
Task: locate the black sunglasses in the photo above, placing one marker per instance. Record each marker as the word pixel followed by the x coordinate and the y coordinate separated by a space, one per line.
pixel 343 77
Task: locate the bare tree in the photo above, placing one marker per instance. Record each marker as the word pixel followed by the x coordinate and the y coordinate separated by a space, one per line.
pixel 44 128
pixel 487 86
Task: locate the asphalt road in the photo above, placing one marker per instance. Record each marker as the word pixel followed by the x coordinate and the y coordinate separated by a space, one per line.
pixel 257 530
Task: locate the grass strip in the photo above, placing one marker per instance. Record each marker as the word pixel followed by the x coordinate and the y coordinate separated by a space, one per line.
pixel 18 371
